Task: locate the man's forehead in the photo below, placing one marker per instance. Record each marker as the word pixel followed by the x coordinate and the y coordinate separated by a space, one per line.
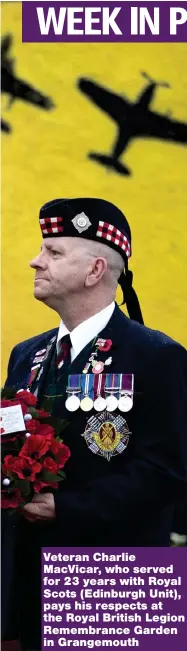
pixel 62 243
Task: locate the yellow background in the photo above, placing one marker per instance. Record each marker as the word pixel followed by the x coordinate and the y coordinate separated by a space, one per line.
pixel 45 158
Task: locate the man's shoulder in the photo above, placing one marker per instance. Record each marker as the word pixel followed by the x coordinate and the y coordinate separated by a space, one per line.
pixel 36 343
pixel 142 338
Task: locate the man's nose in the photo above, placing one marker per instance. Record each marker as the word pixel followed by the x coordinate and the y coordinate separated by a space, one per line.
pixel 38 261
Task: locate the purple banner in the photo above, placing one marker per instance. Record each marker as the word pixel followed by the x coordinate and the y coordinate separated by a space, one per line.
pixel 91 22
pixel 114 598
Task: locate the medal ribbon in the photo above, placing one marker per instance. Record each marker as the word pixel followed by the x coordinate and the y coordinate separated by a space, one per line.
pixel 74 384
pixel 87 386
pixel 127 385
pixel 99 385
pixel 112 384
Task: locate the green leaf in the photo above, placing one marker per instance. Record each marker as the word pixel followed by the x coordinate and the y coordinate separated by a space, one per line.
pixel 33 411
pixel 59 425
pixel 24 486
pixel 46 475
pixel 62 474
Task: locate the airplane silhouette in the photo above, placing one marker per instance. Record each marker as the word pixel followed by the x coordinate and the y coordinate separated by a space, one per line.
pixel 17 88
pixel 134 120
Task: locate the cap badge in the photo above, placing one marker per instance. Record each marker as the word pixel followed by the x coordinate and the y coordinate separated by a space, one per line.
pixel 81 222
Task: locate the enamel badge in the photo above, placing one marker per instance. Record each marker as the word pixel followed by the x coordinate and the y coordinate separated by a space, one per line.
pixel 107 435
pixel 81 222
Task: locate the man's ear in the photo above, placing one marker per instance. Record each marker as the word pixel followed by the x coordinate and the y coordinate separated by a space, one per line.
pixel 95 271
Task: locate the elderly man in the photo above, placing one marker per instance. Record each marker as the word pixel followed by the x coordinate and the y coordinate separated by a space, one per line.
pixel 121 387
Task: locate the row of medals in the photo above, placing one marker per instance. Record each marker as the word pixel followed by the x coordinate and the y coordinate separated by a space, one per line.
pixel 111 403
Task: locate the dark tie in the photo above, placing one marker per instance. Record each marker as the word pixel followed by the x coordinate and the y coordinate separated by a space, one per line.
pixel 63 358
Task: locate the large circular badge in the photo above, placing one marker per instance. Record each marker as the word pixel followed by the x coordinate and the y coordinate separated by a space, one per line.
pixel 106 435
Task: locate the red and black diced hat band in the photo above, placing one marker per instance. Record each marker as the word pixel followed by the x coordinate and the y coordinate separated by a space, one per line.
pixel 94 219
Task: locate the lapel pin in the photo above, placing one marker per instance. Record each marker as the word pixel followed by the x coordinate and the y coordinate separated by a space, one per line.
pixel 108 361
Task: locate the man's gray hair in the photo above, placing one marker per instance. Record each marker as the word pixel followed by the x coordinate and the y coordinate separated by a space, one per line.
pixel 115 262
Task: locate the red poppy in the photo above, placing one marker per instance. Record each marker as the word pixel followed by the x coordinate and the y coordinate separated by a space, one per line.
pixel 33 426
pixel 42 414
pixel 27 398
pixel 61 452
pixel 38 485
pixel 6 403
pixel 23 467
pixel 106 345
pixel 11 500
pixel 36 446
pixel 46 430
pixel 50 464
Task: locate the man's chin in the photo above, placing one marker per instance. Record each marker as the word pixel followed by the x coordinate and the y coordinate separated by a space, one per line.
pixel 40 296
pixel 43 298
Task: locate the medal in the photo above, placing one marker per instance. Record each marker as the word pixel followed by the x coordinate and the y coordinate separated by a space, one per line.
pixel 99 383
pixel 112 388
pixel 39 356
pixel 125 402
pixel 74 386
pixel 126 392
pixel 72 403
pixel 86 403
pixel 100 404
pixel 41 352
pixel 106 435
pixel 111 403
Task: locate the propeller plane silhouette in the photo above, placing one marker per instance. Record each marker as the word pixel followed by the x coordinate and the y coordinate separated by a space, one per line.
pixel 16 88
pixel 134 120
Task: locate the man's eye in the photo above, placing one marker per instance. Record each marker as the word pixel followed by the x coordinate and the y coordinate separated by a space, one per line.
pixel 55 253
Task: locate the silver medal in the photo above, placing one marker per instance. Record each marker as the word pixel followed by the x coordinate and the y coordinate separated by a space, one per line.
pixel 125 403
pixel 72 403
pixel 100 404
pixel 111 403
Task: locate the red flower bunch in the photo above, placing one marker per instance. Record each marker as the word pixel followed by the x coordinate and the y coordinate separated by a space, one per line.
pixel 33 459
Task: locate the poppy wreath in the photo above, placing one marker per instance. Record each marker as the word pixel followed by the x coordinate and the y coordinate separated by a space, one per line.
pixel 32 461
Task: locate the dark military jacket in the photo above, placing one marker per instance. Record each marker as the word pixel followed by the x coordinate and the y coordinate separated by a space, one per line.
pixel 126 501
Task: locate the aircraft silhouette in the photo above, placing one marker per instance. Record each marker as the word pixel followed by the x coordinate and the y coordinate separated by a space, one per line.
pixel 134 120
pixel 17 88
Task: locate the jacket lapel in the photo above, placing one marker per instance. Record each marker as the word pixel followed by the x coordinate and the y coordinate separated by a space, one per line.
pixel 43 367
pixel 116 330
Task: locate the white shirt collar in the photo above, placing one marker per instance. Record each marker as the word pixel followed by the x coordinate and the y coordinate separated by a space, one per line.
pixel 87 330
